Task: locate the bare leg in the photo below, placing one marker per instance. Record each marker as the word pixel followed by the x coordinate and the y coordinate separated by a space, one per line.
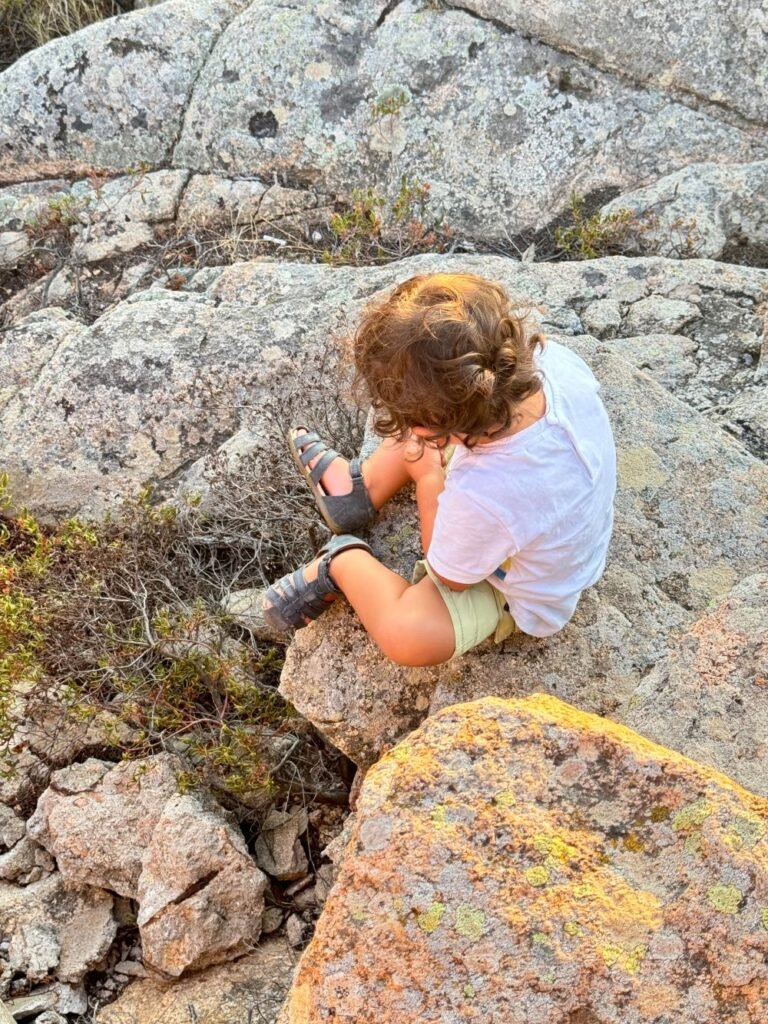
pixel 409 622
pixel 388 470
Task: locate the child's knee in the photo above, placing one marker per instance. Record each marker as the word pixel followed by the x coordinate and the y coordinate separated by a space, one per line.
pixel 408 641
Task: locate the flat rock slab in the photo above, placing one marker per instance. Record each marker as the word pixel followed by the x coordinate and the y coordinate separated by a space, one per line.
pixel 56 929
pixel 249 991
pixel 521 861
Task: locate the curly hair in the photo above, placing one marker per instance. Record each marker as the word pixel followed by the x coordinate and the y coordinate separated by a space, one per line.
pixel 449 352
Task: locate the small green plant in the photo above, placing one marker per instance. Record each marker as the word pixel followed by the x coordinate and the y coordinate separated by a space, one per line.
pixel 117 624
pixel 590 237
pixel 390 103
pixel 372 230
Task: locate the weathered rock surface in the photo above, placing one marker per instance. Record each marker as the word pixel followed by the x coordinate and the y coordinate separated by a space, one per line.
pixel 126 828
pixel 295 89
pixel 249 991
pixel 278 848
pixel 715 210
pixel 112 95
pixel 679 49
pixel 525 862
pixel 55 929
pixel 501 124
pixel 682 537
pixel 711 692
pixel 92 413
pixel 200 894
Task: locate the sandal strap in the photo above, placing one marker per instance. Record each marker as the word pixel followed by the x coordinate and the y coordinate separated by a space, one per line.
pixel 310 436
pixel 323 463
pixel 312 451
pixel 293 600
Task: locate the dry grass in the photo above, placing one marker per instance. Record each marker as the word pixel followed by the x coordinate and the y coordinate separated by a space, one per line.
pixel 26 24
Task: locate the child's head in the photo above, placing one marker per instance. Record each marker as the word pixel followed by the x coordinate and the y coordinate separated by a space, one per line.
pixel 448 352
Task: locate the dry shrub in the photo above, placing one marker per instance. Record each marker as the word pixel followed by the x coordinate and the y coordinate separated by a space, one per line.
pixel 119 621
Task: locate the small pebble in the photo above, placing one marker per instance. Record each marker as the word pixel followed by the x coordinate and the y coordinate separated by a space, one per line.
pixel 131 968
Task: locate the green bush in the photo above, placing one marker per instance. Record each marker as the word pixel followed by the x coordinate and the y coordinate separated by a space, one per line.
pixel 371 230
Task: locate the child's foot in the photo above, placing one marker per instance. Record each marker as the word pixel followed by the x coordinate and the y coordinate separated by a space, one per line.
pixel 309 574
pixel 336 480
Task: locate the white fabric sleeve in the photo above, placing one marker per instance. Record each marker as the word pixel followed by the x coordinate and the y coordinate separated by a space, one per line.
pixel 468 541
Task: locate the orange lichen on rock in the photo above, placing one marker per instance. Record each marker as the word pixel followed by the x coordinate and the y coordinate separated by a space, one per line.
pixel 477 864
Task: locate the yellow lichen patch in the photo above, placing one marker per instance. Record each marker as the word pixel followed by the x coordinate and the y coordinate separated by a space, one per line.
pixel 692 814
pixel 555 847
pixel 660 813
pixel 584 891
pixel 469 922
pixel 725 898
pixel 692 844
pixel 572 928
pixel 538 875
pixel 469 991
pixel 438 816
pixel 506 798
pixel 540 939
pixel 402 752
pixel 633 843
pixel 358 915
pixel 640 468
pixel 746 828
pixel 628 959
pixel 431 918
pixel 764 918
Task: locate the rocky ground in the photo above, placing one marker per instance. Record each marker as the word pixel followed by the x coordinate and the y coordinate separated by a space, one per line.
pixel 178 247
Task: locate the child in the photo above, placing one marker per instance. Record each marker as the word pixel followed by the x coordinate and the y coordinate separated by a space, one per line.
pixel 519 524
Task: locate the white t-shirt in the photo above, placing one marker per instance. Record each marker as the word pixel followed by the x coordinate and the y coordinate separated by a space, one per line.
pixel 533 512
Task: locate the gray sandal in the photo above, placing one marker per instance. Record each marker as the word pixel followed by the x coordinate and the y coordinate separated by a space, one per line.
pixel 293 599
pixel 344 513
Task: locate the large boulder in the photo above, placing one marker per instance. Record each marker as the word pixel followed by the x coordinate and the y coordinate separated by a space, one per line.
pixel 715 210
pixel 503 110
pixel 522 861
pixel 128 829
pixel 501 126
pixel 112 95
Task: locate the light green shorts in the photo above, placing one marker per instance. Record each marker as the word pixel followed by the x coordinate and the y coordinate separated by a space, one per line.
pixel 475 612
